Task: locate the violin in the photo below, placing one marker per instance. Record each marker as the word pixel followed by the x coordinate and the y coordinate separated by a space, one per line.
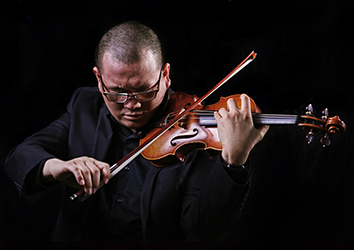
pixel 198 129
pixel 190 125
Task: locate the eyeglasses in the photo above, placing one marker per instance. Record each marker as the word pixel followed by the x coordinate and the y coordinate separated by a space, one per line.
pixel 143 96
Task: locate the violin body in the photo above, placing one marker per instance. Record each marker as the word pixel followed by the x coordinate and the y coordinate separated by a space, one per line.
pixel 195 131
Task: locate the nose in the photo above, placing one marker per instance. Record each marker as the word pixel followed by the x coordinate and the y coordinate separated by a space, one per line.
pixel 131 103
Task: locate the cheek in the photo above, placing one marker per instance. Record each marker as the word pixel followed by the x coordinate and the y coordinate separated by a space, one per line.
pixel 154 104
pixel 160 95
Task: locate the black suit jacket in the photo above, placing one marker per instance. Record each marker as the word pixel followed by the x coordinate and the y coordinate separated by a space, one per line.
pixel 197 199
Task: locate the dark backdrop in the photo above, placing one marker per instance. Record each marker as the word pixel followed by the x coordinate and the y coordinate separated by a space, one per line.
pixel 299 192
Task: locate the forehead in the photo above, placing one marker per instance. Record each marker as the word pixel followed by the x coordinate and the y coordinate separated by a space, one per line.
pixel 138 75
pixel 145 59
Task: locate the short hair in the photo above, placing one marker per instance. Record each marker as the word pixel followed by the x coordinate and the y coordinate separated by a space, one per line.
pixel 127 41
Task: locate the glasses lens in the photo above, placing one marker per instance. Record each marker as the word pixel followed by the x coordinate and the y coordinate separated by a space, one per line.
pixel 146 96
pixel 116 98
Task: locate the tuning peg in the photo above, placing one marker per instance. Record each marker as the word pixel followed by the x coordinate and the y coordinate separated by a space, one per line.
pixel 325 114
pixel 309 109
pixel 325 141
pixel 309 137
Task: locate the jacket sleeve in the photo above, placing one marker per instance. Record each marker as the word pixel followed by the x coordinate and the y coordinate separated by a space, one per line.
pixel 213 199
pixel 50 142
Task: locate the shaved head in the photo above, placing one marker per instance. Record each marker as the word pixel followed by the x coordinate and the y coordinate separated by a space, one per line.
pixel 128 42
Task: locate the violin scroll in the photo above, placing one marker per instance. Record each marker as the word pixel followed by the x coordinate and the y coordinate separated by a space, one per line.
pixel 334 125
pixel 327 125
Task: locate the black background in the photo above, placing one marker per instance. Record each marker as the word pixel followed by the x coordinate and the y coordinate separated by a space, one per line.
pixel 304 51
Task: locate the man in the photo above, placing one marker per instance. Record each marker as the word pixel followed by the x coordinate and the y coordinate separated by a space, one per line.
pixel 199 199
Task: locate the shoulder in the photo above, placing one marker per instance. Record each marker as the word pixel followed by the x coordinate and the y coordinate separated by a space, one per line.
pixel 86 93
pixel 86 98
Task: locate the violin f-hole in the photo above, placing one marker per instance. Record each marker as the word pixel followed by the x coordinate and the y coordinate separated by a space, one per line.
pixel 184 136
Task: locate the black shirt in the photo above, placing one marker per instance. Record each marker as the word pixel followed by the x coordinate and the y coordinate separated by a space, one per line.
pixel 119 201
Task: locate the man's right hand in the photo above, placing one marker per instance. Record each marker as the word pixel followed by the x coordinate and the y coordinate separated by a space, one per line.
pixel 79 172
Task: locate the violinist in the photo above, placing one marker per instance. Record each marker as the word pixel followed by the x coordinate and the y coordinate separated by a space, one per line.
pixel 197 199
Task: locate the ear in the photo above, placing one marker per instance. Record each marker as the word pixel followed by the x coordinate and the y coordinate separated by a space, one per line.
pixel 166 74
pixel 97 74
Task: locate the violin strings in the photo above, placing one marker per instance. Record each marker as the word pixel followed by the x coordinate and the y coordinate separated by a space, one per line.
pixel 257 117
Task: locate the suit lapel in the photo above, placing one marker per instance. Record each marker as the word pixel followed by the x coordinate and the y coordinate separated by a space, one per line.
pixel 103 136
pixel 146 196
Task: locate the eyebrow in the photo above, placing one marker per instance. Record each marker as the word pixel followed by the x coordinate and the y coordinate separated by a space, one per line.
pixel 142 87
pixel 118 89
pixel 139 89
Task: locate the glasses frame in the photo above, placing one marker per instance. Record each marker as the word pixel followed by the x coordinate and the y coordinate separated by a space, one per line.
pixel 135 95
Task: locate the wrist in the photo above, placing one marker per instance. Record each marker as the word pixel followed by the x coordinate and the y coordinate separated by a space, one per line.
pixel 46 175
pixel 237 159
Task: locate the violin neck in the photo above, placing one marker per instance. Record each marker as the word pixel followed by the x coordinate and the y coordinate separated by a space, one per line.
pixel 275 119
pixel 258 119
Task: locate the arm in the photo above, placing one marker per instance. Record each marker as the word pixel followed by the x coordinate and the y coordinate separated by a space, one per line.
pixel 25 159
pixel 213 198
pixel 43 157
pixel 213 202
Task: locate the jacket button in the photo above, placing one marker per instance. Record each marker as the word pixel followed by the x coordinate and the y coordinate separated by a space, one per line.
pixel 127 168
pixel 120 200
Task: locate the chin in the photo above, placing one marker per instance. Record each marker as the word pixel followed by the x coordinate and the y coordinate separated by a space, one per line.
pixel 133 125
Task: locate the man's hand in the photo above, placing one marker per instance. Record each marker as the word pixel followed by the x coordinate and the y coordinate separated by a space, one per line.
pixel 236 130
pixel 80 172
